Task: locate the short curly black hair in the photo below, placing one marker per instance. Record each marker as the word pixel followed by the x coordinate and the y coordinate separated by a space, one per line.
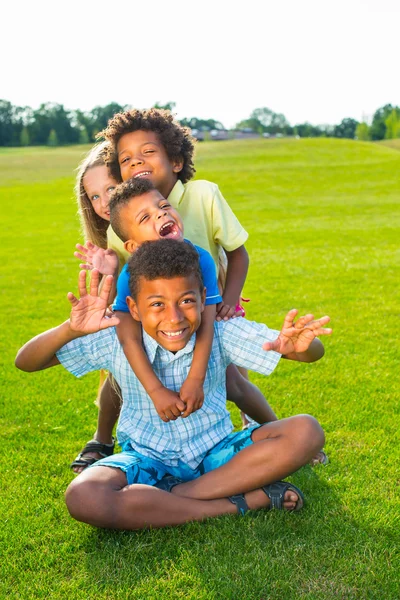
pixel 121 196
pixel 176 139
pixel 163 259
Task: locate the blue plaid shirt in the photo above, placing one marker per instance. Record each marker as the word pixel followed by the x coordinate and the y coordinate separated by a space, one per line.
pixel 186 440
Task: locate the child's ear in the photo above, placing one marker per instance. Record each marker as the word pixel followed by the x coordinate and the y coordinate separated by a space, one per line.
pixel 177 165
pixel 133 308
pixel 203 299
pixel 130 246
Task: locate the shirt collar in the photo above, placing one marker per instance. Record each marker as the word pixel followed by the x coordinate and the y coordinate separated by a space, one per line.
pixel 151 347
pixel 176 193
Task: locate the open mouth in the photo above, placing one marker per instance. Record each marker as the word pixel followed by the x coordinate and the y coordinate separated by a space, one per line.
pixel 169 230
pixel 142 174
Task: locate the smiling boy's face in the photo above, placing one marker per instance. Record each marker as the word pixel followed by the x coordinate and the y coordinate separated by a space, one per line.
pixel 149 217
pixel 142 155
pixel 169 309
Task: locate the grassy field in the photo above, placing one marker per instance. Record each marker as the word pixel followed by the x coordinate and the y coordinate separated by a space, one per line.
pixel 323 218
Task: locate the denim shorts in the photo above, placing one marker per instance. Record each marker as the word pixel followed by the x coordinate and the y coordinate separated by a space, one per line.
pixel 143 469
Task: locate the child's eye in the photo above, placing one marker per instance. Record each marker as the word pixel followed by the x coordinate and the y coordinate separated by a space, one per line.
pixel 95 197
pixel 165 206
pixel 144 218
pixel 124 160
pixel 148 151
pixel 188 301
pixel 111 188
pixel 156 304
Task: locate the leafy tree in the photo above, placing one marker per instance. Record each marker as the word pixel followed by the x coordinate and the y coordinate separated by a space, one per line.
pixel 201 124
pixel 252 123
pixel 378 126
pixel 6 122
pixel 346 129
pixel 167 106
pixel 24 138
pixel 83 136
pixel 53 138
pixel 362 132
pixel 53 116
pixel 271 121
pixel 100 115
pixel 308 130
pixel 392 123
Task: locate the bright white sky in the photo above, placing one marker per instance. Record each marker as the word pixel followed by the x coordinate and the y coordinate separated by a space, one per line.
pixel 312 60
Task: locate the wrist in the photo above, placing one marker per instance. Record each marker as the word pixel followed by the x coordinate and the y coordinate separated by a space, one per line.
pixel 68 329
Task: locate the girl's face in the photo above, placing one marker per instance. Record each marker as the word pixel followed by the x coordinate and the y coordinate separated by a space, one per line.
pixel 98 185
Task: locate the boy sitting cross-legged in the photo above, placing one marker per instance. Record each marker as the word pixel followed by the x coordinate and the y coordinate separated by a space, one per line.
pixel 188 469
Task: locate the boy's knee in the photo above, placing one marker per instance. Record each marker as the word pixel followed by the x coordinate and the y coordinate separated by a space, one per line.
pixel 86 501
pixel 309 432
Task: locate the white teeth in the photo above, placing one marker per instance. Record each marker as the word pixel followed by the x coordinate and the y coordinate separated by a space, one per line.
pixel 166 225
pixel 173 333
pixel 142 174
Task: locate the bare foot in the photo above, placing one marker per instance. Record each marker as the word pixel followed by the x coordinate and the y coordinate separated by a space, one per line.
pixel 319 459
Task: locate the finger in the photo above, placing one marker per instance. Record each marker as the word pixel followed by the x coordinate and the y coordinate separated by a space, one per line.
pixel 105 290
pixel 322 331
pixel 181 406
pixel 109 322
pixel 288 321
pixel 268 346
pixel 303 321
pixel 80 255
pixel 91 246
pixel 317 323
pixel 94 283
pixel 81 248
pixel 170 414
pixel 72 299
pixel 163 417
pixel 223 312
pixel 86 266
pixel 230 313
pixel 82 284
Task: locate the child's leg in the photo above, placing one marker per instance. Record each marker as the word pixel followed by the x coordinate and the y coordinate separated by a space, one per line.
pixel 109 409
pixel 247 396
pixel 278 449
pixel 101 496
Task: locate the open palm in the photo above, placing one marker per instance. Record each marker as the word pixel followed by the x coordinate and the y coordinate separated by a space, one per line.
pixel 104 260
pixel 88 312
pixel 298 336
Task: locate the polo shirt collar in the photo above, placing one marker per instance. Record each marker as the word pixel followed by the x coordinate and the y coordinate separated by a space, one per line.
pixel 176 193
pixel 151 347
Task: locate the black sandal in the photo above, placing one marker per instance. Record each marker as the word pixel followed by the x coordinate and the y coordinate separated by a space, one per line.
pixel 275 492
pixel 93 446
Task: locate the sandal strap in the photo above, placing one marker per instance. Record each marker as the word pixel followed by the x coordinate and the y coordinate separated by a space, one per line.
pixel 276 493
pixel 240 501
pixel 102 449
pixel 167 483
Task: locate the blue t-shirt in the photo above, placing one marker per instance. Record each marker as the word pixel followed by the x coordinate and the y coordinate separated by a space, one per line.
pixel 207 267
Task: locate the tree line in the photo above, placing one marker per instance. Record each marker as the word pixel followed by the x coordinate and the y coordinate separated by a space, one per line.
pixel 53 125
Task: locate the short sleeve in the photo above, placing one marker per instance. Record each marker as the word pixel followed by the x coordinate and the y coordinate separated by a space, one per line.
pixel 122 291
pixel 242 342
pixel 207 267
pixel 89 353
pixel 227 230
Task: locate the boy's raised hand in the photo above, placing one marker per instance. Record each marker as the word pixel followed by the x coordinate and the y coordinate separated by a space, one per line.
pixel 88 313
pixel 296 337
pixel 192 394
pixel 105 261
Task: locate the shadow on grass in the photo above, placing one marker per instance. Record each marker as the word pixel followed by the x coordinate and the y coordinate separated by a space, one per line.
pixel 321 552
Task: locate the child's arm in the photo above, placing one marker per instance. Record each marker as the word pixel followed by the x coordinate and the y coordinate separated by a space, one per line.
pixel 191 391
pixel 298 341
pixel 238 264
pixel 87 316
pixel 168 404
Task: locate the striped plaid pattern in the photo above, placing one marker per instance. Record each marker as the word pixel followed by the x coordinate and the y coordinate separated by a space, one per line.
pixel 187 440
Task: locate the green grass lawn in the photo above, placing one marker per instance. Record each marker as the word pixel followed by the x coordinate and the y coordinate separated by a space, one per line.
pixel 323 218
